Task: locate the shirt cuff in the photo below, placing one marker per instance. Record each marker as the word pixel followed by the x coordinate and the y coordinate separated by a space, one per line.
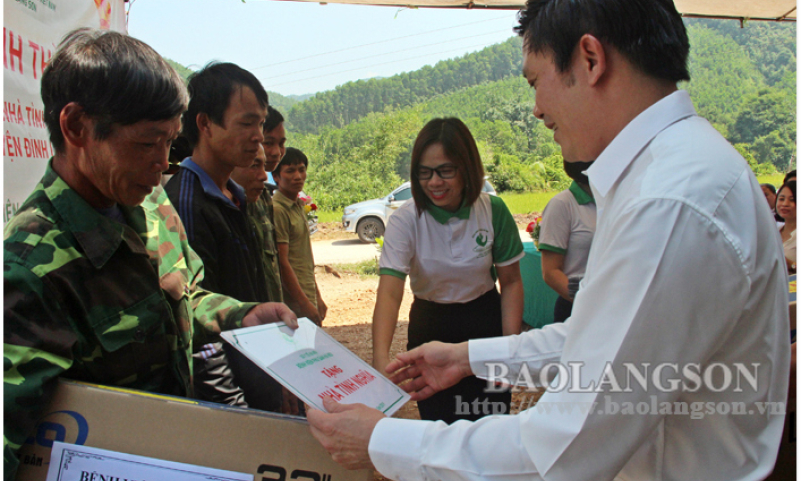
pixel 511 261
pixel 482 351
pixel 393 463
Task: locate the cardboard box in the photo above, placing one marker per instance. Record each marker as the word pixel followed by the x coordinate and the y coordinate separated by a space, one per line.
pixel 270 446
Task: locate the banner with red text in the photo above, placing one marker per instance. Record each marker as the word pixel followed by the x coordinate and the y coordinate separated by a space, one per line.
pixel 32 29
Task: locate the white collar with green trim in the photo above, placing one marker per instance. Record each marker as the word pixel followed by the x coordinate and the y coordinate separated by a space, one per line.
pixel 581 195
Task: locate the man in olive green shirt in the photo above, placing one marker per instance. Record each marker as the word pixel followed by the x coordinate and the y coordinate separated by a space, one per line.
pixel 292 237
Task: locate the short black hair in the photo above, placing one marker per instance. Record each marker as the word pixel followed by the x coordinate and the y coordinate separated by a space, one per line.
pixel 210 91
pixel 292 156
pixel 274 118
pixel 649 33
pixel 789 176
pixel 770 187
pixel 115 78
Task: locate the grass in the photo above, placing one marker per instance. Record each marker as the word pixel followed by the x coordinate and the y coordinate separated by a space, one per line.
pixel 528 202
pixel 329 216
pixel 775 179
pixel 367 267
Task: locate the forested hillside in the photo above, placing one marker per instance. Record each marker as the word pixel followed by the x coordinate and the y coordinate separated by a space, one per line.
pixel 276 100
pixel 359 136
pixel 352 101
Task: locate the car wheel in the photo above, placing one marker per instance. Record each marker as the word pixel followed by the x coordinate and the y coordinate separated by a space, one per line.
pixel 369 228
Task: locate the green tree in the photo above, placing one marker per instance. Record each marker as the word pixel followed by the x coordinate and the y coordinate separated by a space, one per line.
pixel 769 110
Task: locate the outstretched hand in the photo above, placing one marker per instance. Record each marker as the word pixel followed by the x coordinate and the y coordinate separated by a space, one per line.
pixel 345 431
pixel 270 312
pixel 431 367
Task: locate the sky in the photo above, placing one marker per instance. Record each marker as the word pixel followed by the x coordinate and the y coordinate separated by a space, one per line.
pixel 302 48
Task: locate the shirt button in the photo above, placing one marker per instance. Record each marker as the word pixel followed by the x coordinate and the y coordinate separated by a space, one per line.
pixel 139 334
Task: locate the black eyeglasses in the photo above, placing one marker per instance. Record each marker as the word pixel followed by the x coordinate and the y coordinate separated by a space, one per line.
pixel 444 172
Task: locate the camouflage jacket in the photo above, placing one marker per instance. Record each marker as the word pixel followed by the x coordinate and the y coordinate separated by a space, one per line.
pixel 98 301
pixel 261 216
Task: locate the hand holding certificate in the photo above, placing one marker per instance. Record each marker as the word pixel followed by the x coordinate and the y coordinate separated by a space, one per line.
pixel 312 365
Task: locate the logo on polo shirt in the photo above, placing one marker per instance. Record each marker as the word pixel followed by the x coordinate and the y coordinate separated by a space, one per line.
pixel 483 244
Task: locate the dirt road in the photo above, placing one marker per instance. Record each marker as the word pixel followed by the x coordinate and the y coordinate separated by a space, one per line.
pixel 342 251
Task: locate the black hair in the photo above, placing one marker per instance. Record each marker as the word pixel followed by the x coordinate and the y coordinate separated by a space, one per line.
pixel 790 184
pixel 274 118
pixel 789 176
pixel 292 156
pixel 649 33
pixel 770 187
pixel 460 148
pixel 115 78
pixel 210 91
pixel 575 170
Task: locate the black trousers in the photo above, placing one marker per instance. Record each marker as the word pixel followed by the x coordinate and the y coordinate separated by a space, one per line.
pixel 480 318
pixel 562 309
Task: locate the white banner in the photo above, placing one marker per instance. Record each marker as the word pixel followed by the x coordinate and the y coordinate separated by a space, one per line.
pixel 32 29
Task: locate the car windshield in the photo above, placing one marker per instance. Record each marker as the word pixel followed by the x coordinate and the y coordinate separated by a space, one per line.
pixel 403 194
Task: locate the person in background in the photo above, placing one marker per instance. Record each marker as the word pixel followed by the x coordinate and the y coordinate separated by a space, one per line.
pixel 223 124
pixel 260 202
pixel 789 176
pixel 684 273
pixel 770 194
pixel 292 238
pixel 100 284
pixel 448 239
pixel 785 208
pixel 568 225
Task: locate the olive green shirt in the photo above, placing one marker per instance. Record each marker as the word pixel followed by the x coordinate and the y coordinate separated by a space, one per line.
pixel 291 227
pixel 261 216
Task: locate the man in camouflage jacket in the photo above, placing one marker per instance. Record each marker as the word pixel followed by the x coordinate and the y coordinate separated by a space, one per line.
pixel 100 282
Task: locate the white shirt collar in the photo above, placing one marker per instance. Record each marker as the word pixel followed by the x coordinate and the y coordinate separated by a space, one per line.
pixel 628 144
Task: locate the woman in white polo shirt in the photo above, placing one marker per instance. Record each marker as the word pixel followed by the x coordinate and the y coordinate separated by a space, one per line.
pixel 451 240
pixel 568 226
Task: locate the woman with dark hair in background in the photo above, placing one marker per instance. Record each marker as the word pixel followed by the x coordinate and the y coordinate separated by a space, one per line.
pixel 450 239
pixel 785 208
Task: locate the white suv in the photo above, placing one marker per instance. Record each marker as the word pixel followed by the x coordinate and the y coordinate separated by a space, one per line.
pixel 369 218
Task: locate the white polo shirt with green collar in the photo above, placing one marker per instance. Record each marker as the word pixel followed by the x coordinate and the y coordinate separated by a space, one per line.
pixel 568 226
pixel 449 256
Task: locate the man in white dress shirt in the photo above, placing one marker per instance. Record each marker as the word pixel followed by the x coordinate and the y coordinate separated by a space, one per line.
pixel 675 361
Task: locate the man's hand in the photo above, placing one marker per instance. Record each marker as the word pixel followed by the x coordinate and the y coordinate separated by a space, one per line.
pixel 431 367
pixel 345 431
pixel 268 313
pixel 322 308
pixel 308 310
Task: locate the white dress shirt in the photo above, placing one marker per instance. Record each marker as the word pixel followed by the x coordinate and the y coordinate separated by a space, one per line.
pixel 686 267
